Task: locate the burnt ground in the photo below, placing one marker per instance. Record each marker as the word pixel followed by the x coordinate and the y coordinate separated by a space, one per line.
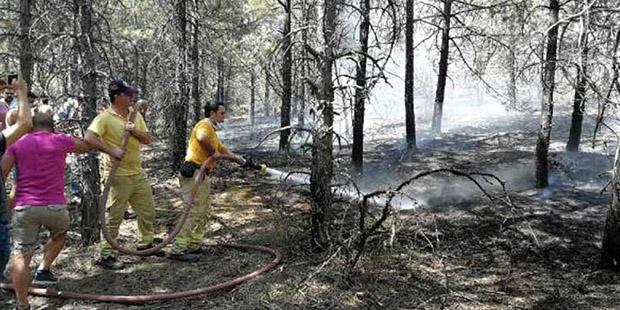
pixel 457 250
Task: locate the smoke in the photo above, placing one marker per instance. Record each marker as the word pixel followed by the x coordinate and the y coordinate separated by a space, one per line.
pixel 468 102
pixel 584 172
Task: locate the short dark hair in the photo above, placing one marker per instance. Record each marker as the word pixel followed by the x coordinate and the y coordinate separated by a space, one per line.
pixel 213 107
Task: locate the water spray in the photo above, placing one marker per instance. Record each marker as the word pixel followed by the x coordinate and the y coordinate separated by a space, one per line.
pixel 349 194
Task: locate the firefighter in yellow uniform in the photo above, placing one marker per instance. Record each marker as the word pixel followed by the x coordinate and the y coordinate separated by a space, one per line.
pixel 130 185
pixel 204 145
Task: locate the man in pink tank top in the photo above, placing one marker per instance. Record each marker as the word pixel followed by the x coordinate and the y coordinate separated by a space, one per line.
pixel 40 199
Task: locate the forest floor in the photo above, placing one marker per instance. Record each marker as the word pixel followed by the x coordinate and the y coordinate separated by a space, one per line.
pixel 455 249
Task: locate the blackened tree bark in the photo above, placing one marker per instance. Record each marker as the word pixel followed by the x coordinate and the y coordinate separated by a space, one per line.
pixel 443 67
pixel 610 255
pixel 409 78
pixel 516 20
pixel 546 113
pixel 252 99
pixel 301 117
pixel 143 71
pixel 135 72
pixel 512 74
pixel 89 165
pixel 221 78
pixel 294 90
pixel 579 101
pixel 196 67
pixel 361 91
pixel 322 148
pixel 287 68
pixel 579 104
pixel 227 82
pixel 26 59
pixel 179 124
pixel 266 103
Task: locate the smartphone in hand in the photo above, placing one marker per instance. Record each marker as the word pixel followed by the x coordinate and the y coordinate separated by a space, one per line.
pixel 11 78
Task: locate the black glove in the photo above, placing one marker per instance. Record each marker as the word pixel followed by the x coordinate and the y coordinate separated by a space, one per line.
pixel 250 164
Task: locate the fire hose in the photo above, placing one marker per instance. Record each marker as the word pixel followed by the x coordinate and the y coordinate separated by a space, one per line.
pixel 136 299
pixel 199 178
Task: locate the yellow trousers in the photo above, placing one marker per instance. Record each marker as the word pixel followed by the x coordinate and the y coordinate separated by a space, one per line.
pixel 190 237
pixel 134 190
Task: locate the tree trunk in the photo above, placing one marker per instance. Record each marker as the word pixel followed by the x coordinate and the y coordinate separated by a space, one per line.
pixel 26 59
pixel 322 148
pixel 546 113
pixel 610 255
pixel 179 128
pixel 143 72
pixel 73 77
pixel 196 68
pixel 252 100
pixel 443 68
pixel 89 166
pixel 357 154
pixel 287 67
pixel 294 91
pixel 579 101
pixel 516 20
pixel 266 104
pixel 512 73
pixel 219 95
pixel 301 117
pixel 227 82
pixel 135 72
pixel 409 78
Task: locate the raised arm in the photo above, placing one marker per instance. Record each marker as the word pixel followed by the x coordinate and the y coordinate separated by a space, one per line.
pixel 10 117
pixel 24 116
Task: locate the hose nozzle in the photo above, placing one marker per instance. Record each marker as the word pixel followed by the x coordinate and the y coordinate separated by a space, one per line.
pixel 250 164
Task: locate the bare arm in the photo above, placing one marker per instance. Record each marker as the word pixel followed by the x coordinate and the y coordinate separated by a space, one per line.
pixel 143 136
pixel 206 145
pixel 228 155
pixel 80 146
pixel 6 163
pixel 24 116
pixel 224 152
pixel 93 141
